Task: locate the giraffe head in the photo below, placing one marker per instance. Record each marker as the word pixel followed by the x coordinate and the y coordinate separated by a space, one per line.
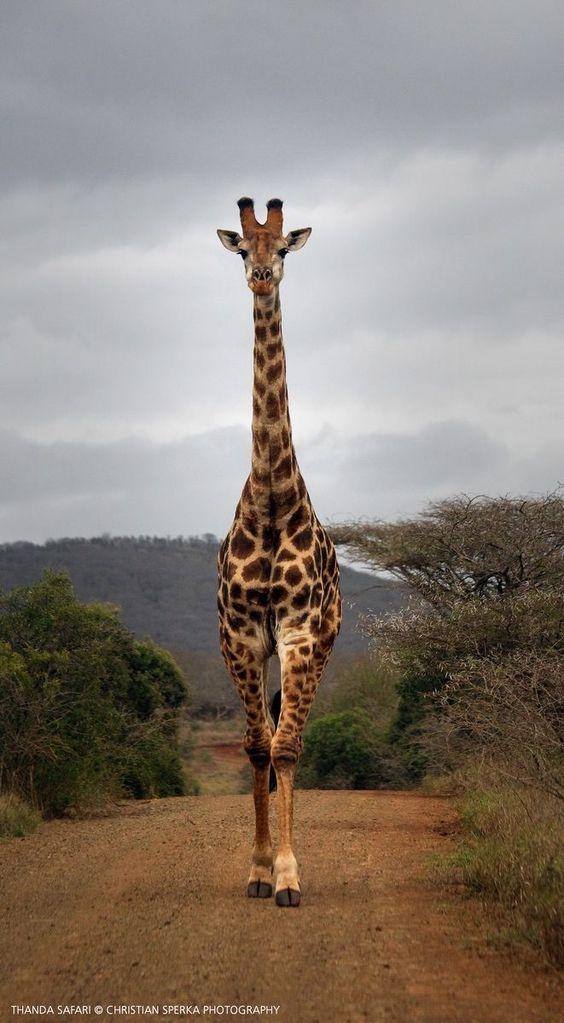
pixel 263 246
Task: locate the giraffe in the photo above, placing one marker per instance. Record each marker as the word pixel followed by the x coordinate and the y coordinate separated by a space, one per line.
pixel 278 573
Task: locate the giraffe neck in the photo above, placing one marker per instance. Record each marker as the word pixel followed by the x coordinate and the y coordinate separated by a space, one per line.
pixel 275 480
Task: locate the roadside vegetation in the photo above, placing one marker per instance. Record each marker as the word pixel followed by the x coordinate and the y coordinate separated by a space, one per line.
pixel 462 693
pixel 511 855
pixel 341 751
pixel 346 741
pixel 17 818
pixel 479 662
pixel 87 712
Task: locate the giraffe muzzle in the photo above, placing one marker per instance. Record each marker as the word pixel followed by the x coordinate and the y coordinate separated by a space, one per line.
pixel 261 281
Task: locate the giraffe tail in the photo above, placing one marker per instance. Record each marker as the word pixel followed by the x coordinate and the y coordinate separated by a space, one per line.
pixel 275 705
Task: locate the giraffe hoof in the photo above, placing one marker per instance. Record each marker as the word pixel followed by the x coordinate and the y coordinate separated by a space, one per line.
pixel 288 897
pixel 259 890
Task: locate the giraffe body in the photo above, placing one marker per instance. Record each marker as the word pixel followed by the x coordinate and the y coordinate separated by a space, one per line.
pixel 278 572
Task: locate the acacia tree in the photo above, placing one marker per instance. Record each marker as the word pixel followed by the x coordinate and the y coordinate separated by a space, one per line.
pixel 489 577
pixel 467 547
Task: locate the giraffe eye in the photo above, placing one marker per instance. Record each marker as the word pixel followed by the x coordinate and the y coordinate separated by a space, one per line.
pixel 282 252
pixel 243 253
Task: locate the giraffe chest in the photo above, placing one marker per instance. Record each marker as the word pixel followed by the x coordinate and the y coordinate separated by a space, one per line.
pixel 278 579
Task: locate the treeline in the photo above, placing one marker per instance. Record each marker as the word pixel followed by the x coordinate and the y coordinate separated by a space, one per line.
pixel 166 588
pixel 87 712
pixel 477 705
pixel 107 540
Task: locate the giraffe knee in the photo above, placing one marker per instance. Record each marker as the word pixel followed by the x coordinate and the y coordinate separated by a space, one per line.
pixel 257 748
pixel 286 749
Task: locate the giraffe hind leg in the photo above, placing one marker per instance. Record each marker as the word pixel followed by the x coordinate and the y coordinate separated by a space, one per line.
pixel 275 707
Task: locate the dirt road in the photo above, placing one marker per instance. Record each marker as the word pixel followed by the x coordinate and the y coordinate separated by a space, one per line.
pixel 147 907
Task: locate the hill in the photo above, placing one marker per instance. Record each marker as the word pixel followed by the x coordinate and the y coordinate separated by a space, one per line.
pixel 166 589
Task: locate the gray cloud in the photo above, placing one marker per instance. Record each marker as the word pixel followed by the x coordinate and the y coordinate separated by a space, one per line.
pixel 423 322
pixel 104 89
pixel 172 488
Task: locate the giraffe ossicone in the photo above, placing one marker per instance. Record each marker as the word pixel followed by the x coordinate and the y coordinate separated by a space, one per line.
pixel 278 572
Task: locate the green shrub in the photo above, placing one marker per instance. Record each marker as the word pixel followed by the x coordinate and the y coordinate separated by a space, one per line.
pixel 341 751
pixel 367 684
pixel 86 711
pixel 17 818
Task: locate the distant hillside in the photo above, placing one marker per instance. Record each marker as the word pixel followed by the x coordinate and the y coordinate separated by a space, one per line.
pixel 166 589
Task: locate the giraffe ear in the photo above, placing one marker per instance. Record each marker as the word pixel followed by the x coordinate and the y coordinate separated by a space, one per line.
pixel 296 239
pixel 230 239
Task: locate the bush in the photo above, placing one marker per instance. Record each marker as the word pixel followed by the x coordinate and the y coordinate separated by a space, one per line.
pixel 17 818
pixel 509 711
pixel 86 711
pixel 341 751
pixel 429 649
pixel 364 684
pixel 512 855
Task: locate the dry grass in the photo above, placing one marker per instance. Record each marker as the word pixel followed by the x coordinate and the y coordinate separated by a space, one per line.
pixel 17 818
pixel 511 856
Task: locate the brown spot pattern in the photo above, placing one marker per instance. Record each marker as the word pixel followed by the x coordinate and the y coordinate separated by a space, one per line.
pixel 277 568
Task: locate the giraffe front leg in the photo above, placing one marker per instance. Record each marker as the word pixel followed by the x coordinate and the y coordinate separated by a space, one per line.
pixel 260 878
pixel 285 751
pixel 257 744
pixel 288 891
pixel 248 669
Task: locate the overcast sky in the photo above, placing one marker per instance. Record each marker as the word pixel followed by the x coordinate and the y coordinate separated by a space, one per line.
pixel 423 143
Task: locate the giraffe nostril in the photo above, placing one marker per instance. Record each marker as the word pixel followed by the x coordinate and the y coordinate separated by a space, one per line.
pixel 262 273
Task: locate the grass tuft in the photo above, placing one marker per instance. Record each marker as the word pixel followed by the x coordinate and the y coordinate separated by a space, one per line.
pixel 17 818
pixel 512 855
